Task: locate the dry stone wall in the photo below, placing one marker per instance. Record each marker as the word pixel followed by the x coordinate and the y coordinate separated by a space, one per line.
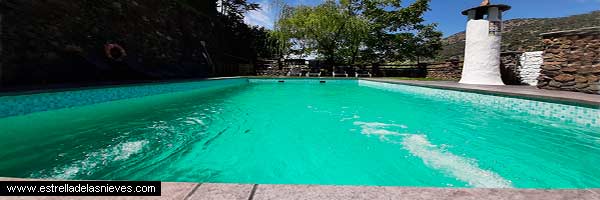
pixel 509 67
pixel 531 63
pixel 518 68
pixel 448 70
pixel 572 61
pixel 521 68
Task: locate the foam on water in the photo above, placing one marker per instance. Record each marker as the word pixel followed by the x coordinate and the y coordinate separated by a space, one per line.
pixel 375 128
pixel 461 168
pixel 125 150
pixel 193 120
pixel 122 151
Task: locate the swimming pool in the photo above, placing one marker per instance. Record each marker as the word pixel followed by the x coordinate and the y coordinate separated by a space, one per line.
pixel 300 131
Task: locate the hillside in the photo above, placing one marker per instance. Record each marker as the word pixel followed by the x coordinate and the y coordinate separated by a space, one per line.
pixel 523 34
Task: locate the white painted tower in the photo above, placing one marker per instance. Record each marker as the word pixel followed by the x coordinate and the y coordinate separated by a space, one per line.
pixel 483 41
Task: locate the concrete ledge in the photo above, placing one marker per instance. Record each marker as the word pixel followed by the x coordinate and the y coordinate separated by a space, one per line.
pixel 223 191
pixel 517 91
pixel 169 190
pixel 194 191
pixel 303 77
pixel 404 193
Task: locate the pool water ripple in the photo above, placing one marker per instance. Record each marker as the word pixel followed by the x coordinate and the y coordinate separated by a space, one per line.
pixel 342 133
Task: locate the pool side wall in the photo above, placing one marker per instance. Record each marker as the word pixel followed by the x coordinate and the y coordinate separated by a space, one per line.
pixel 29 103
pixel 588 117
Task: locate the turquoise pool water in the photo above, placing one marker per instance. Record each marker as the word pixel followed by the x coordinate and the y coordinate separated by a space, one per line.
pixel 303 132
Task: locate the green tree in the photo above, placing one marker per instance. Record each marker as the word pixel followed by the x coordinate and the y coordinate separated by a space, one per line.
pixel 237 41
pixel 236 8
pixel 399 33
pixel 354 31
pixel 355 34
pixel 328 29
pixel 206 7
pixel 263 43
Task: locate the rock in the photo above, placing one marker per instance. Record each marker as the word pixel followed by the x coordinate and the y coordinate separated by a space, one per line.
pixel 50 56
pixel 73 49
pixel 561 59
pixel 554 83
pixel 588 70
pixel 116 5
pixel 592 79
pixel 581 79
pixel 541 84
pixel 564 78
pixel 593 87
pixel 55 44
pixel 581 85
pixel 570 83
pixel 550 67
pixel 568 88
pixel 543 78
pixel 547 41
pixel 555 51
pixel 568 69
pixel 550 73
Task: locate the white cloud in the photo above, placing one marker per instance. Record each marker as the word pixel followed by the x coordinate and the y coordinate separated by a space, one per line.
pixel 263 17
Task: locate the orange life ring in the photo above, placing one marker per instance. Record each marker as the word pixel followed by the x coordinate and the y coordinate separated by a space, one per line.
pixel 108 49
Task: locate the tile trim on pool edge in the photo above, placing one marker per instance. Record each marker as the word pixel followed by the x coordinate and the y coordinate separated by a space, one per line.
pixel 113 85
pixel 39 102
pixel 584 116
pixel 514 94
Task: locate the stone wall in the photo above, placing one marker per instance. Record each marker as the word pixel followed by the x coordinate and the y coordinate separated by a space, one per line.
pixel 509 67
pixel 448 70
pixel 518 68
pixel 531 64
pixel 571 61
pixel 59 42
pixel 521 68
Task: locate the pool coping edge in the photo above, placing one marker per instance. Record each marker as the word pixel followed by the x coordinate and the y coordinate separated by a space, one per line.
pixel 187 190
pixel 524 92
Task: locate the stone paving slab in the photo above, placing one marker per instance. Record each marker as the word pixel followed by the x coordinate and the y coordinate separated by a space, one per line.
pixel 305 192
pixel 222 191
pixel 509 90
pixel 169 191
pixel 200 191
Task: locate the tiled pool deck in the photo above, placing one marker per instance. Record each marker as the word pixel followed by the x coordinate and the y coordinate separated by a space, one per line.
pixel 259 191
pixel 201 191
pixel 509 90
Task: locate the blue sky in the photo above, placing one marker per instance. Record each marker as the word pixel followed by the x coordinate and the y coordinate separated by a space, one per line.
pixel 447 12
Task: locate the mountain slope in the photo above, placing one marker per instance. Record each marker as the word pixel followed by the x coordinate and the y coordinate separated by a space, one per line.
pixel 524 34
